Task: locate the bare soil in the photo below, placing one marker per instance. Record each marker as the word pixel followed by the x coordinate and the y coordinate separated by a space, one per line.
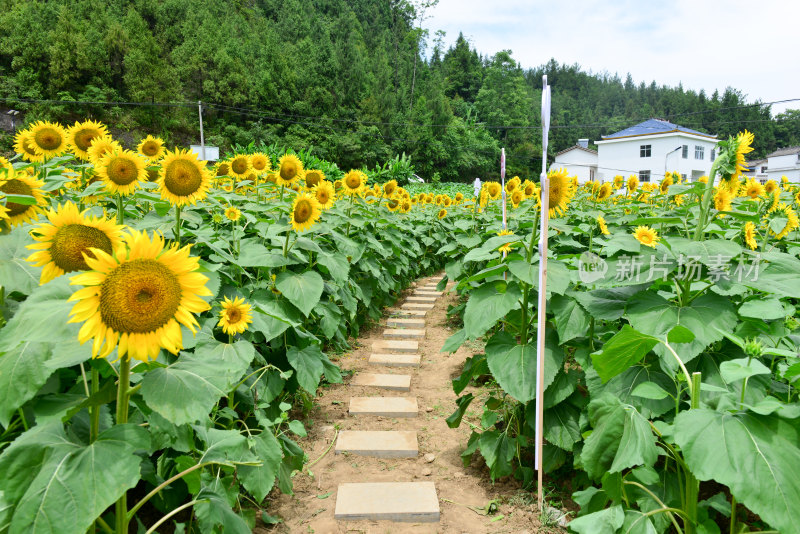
pixel 311 508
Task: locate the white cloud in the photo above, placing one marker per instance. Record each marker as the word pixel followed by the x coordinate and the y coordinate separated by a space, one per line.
pixel 701 44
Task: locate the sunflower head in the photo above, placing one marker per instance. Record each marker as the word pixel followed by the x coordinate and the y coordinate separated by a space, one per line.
pixel 68 239
pixel 633 183
pixel 722 200
pixel 393 203
pixel 223 169
pixel 183 179
pixel 239 166
pixel 353 182
pixel 235 316
pixel 512 184
pixel 151 148
pixel 646 236
pixel 122 171
pixel 325 194
pixel 493 189
pixel 21 183
pixel 562 189
pixel 100 147
pixel 442 213
pixel 49 139
pixel 459 197
pixel 506 247
pixel 23 144
pixel 750 234
pixel 731 156
pixel 389 188
pixel 290 170
pixel 517 196
pixel 753 189
pixel 313 177
pixel 305 212
pixel 233 214
pixel 604 192
pixel 601 222
pixel 136 299
pixel 618 181
pixel 260 162
pixel 81 135
pixel 781 220
pixel 665 183
pixel 771 186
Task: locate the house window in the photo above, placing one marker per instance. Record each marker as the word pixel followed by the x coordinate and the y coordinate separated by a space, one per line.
pixel 762 180
pixel 644 176
pixel 699 152
pixel 644 151
pixel 683 177
pixel 713 154
pixel 764 170
pixel 685 152
pixel 591 174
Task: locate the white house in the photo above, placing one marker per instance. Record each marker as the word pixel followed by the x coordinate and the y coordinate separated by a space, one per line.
pixel 579 160
pixel 756 169
pixel 654 147
pixel 784 162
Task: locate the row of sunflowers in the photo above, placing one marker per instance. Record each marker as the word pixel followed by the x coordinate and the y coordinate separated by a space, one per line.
pixel 671 359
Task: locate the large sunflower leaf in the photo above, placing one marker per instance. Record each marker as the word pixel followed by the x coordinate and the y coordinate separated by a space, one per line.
pixel 186 391
pixel 16 274
pixel 626 348
pixel 514 366
pixel 308 364
pixel 756 456
pixel 302 289
pixel 571 320
pixel 488 304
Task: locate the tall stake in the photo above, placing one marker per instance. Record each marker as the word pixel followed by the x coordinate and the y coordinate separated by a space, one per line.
pixel 542 307
pixel 202 139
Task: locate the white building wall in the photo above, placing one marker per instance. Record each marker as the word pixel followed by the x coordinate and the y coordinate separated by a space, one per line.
pixel 622 156
pixel 579 163
pixel 789 166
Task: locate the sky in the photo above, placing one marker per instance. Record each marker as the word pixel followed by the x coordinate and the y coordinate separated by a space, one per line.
pixel 703 44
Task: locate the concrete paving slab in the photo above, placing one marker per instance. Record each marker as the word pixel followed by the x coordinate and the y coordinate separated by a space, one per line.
pixel 416 306
pixel 399 322
pixel 404 333
pixel 383 381
pixel 384 406
pixel 378 443
pixel 395 360
pixel 395 345
pixel 414 502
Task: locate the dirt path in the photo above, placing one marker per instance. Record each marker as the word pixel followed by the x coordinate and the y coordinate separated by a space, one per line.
pixel 311 509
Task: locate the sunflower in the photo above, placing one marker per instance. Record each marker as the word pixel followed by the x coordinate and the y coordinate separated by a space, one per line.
pixel 353 182
pixel 121 171
pixel 604 192
pixel 393 203
pixel 101 147
pixel 703 179
pixel 512 184
pixel 633 183
pixel 49 139
pixel 646 236
pixel 506 247
pixel 529 188
pixel 325 194
pixel 562 189
pixel 183 178
pixel 239 166
pixel 22 183
pixel 459 198
pixel 234 316
pixel 517 196
pixel 233 214
pixel 782 211
pixel 493 189
pixel 722 200
pixel 438 199
pixel 305 212
pixel 429 198
pixel 446 201
pixel 797 198
pixel 65 243
pixel 6 168
pixel 137 298
pixel 151 148
pixel 260 162
pixel 313 177
pixel 290 169
pixel 665 183
pixel 750 235
pixel 601 222
pixel 223 168
pixel 23 144
pixel 743 145
pixel 389 188
pixel 776 198
pixel 80 136
pixel 405 205
pixel 442 213
pixel 369 195
pixel 753 189
pixel 771 186
pixel 618 181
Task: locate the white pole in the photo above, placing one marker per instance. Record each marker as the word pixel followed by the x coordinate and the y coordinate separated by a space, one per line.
pixel 503 183
pixel 202 140
pixel 542 305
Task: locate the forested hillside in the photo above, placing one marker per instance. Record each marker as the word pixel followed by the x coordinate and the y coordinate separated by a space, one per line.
pixel 356 79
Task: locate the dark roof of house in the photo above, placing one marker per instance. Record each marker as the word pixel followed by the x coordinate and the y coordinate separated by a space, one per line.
pixel 788 151
pixel 653 126
pixel 589 150
pixel 750 165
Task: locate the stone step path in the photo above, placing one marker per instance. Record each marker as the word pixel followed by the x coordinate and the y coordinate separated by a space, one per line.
pixel 415 502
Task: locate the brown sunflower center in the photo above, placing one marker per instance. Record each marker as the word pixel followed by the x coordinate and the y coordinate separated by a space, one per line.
pixel 122 171
pixel 16 187
pixel 182 178
pixel 259 164
pixel 312 179
pixel 393 203
pixel 150 148
pixel 234 315
pixel 388 189
pixel 139 296
pixel 302 211
pixel 71 240
pixel 223 170
pixel 239 165
pixel 83 138
pixel 353 181
pixel 288 170
pixel 152 175
pixel 48 139
pixel 322 196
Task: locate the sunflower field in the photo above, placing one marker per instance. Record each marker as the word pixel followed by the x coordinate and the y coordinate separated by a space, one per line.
pixel 671 359
pixel 163 322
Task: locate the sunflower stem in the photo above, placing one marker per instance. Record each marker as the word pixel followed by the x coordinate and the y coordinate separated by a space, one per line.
pixel 178 225
pixel 120 211
pixel 94 430
pixel 122 418
pixel 286 243
pixel 706 201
